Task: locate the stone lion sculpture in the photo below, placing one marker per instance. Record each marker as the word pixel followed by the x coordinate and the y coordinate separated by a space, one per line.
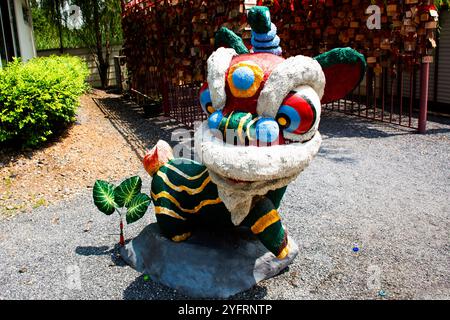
pixel 261 133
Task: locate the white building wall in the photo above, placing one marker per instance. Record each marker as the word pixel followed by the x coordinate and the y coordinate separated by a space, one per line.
pixel 24 29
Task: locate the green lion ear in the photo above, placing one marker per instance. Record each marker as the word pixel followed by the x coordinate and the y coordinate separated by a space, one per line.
pixel 227 38
pixel 344 69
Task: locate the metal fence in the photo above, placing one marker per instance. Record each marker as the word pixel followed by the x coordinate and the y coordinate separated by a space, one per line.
pixel 180 102
pixel 388 94
pixel 184 104
pixel 147 83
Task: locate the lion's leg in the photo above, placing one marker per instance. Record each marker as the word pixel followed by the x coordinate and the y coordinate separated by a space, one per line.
pixel 172 225
pixel 265 223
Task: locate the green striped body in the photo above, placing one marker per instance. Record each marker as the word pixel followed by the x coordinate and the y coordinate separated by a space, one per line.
pixel 242 125
pixel 185 197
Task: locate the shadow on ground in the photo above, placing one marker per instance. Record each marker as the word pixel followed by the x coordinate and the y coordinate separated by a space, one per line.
pixel 205 243
pixel 143 288
pixel 338 125
pixel 140 132
pixel 336 155
pixel 441 119
pixel 437 131
pixel 114 253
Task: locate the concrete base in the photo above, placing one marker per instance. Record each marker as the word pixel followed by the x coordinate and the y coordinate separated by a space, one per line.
pixel 211 264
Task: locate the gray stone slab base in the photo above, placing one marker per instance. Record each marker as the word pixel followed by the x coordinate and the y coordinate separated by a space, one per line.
pixel 211 264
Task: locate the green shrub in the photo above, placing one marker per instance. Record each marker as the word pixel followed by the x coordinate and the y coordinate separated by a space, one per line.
pixel 39 97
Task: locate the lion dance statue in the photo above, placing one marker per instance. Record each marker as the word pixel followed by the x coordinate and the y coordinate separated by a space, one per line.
pixel 261 133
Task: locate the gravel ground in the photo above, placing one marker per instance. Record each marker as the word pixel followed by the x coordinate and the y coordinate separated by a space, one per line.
pixel 381 189
pixel 67 163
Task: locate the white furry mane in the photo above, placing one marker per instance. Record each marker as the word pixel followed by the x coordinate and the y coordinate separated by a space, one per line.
pixel 289 74
pixel 218 64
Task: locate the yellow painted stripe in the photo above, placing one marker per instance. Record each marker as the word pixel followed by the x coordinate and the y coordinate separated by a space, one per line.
pixel 241 125
pixel 173 214
pixel 249 126
pixel 166 195
pixel 226 124
pixel 265 221
pixel 283 253
pixel 184 175
pixel 180 188
pixel 181 237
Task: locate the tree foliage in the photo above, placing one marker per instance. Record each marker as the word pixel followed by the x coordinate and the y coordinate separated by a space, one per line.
pixel 101 28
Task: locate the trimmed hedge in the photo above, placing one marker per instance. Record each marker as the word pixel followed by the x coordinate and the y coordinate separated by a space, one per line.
pixel 40 97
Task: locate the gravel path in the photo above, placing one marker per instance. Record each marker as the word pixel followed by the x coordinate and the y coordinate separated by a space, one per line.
pixel 67 163
pixel 380 189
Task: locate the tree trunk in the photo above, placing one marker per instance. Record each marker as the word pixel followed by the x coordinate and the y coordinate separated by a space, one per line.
pixel 107 48
pixel 59 21
pixel 103 64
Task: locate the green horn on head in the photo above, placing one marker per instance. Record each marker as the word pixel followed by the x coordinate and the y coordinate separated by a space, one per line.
pixel 259 19
pixel 264 32
pixel 227 38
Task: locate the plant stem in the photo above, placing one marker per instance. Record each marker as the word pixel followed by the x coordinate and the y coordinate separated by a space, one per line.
pixel 122 239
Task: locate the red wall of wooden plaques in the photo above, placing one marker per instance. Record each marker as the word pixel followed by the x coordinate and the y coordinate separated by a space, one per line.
pixel 176 37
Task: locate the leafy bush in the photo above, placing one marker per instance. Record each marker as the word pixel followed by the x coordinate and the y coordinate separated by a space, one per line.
pixel 39 97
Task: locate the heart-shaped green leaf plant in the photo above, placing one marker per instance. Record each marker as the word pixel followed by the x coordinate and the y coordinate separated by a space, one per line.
pixel 127 190
pixel 104 197
pixel 109 199
pixel 137 208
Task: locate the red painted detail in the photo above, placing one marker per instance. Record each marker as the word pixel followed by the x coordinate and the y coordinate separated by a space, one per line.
pixel 304 109
pixel 122 239
pixel 267 62
pixel 281 139
pixel 424 81
pixel 203 87
pixel 341 79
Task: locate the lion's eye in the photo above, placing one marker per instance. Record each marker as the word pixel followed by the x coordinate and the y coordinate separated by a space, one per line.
pixel 296 114
pixel 205 99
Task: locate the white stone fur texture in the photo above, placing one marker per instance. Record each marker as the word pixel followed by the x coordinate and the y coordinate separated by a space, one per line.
pixel 251 163
pixel 257 170
pixel 288 75
pixel 217 65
